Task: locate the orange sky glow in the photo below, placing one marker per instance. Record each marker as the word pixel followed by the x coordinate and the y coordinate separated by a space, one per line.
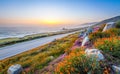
pixel 37 22
pixel 56 12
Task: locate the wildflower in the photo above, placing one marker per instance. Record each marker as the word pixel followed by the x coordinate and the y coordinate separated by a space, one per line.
pixel 111 49
pixel 106 71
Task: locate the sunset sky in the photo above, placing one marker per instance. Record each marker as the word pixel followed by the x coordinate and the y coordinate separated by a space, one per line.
pixel 56 12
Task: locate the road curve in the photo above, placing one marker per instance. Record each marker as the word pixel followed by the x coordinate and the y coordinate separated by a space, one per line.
pixel 17 48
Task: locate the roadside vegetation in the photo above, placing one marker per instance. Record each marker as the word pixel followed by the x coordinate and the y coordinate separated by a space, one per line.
pixel 109 33
pixel 109 45
pixel 37 58
pixel 118 24
pixel 76 62
pixel 108 41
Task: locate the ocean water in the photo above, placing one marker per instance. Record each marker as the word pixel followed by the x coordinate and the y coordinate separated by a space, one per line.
pixel 8 32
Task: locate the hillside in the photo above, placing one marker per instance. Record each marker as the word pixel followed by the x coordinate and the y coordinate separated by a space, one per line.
pixel 113 19
pixel 91 51
pixel 39 57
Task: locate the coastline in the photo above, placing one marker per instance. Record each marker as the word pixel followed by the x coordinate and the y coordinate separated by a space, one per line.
pixel 28 45
pixel 14 40
pixel 44 53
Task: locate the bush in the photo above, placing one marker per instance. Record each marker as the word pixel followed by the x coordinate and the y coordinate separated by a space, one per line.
pixel 95 35
pixel 118 24
pixel 114 32
pixel 109 45
pixel 77 63
pixel 109 33
pixel 102 27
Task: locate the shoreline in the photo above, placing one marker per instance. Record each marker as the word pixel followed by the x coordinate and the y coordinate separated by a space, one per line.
pixel 22 47
pixel 48 50
pixel 9 41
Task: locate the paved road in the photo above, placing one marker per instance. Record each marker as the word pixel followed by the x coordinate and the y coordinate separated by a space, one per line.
pixel 17 48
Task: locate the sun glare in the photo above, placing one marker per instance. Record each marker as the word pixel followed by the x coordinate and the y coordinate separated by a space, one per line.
pixel 50 22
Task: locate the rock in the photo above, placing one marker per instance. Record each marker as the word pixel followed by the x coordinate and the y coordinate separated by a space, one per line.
pixel 51 57
pixel 54 40
pixel 15 69
pixel 81 34
pixel 109 25
pixel 86 39
pixel 94 53
pixel 116 69
pixel 89 30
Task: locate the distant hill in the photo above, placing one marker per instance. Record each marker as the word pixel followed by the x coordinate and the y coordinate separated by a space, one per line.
pixel 86 24
pixel 91 23
pixel 113 19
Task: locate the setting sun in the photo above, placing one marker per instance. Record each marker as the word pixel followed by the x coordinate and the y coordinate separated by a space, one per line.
pixel 50 22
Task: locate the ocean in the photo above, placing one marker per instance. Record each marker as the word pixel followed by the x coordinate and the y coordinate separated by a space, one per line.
pixel 8 32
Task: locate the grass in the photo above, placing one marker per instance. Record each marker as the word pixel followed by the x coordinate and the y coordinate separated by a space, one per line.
pixel 39 57
pixel 109 33
pixel 108 41
pixel 109 45
pixel 78 63
pixel 118 24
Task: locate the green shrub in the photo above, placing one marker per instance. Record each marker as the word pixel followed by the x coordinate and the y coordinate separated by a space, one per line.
pixel 118 24
pixel 109 45
pixel 77 63
pixel 102 27
pixel 95 35
pixel 109 33
pixel 114 31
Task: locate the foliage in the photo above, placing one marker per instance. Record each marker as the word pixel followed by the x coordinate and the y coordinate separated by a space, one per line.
pixel 114 32
pixel 93 36
pixel 39 57
pixel 77 63
pixel 109 33
pixel 102 27
pixel 109 45
pixel 118 24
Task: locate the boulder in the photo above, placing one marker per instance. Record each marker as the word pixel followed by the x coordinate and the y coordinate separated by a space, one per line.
pixel 54 40
pixel 86 39
pixel 109 25
pixel 116 69
pixel 89 30
pixel 15 69
pixel 94 53
pixel 81 34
